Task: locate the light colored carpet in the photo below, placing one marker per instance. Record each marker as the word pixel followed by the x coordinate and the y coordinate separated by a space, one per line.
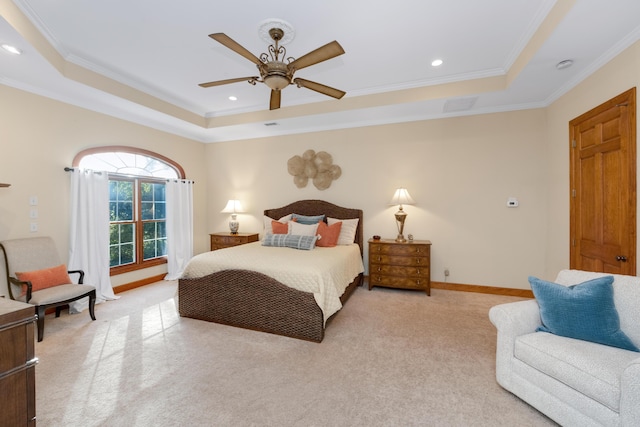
pixel 389 358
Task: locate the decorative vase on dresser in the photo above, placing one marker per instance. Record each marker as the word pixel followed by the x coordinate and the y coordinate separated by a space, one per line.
pixel 402 265
pixel 17 364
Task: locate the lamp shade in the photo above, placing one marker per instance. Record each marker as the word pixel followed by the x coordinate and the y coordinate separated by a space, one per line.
pixel 233 206
pixel 401 197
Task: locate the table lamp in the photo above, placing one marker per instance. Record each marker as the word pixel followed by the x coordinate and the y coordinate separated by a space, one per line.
pixel 233 207
pixel 401 197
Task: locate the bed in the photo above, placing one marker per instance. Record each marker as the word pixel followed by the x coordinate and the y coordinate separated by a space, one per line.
pixel 241 297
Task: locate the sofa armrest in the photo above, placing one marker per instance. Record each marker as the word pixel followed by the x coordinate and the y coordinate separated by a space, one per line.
pixel 512 320
pixel 630 394
pixel 516 318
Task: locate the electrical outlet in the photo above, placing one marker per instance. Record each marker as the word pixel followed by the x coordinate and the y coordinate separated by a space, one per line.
pixel 33 227
pixel 446 272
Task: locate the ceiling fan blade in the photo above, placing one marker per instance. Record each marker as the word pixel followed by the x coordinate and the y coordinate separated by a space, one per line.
pixel 274 103
pixel 323 89
pixel 224 82
pixel 328 51
pixel 235 46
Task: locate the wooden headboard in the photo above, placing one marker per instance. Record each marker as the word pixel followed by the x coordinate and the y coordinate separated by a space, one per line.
pixel 320 207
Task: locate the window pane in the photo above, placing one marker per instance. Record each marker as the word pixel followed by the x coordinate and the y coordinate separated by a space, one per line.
pixel 146 191
pixel 149 230
pixel 114 256
pixel 160 210
pixel 147 211
pixel 120 200
pixel 125 190
pixel 127 254
pixel 121 244
pixel 127 233
pixel 149 249
pixel 113 211
pixel 155 240
pixel 159 192
pixel 124 211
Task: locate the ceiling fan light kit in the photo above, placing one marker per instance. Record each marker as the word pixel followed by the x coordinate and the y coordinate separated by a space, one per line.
pixel 274 71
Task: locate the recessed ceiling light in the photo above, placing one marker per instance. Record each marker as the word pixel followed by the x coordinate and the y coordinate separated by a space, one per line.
pixel 233 98
pixel 436 62
pixel 11 49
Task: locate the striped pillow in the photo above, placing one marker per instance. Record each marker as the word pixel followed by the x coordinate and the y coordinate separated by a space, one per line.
pixel 290 241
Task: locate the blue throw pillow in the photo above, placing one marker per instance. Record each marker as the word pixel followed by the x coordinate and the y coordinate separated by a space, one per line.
pixel 306 219
pixel 290 241
pixel 585 311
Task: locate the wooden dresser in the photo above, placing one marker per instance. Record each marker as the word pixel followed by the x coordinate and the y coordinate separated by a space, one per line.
pixel 226 240
pixel 400 265
pixel 17 364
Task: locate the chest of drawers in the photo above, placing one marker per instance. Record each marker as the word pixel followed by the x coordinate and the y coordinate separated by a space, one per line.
pixel 405 265
pixel 17 364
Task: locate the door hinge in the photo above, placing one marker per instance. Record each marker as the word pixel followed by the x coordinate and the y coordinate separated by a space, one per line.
pixel 574 144
pixel 573 192
pixel 573 242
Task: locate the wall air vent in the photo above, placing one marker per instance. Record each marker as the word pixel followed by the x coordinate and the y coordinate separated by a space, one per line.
pixel 271 124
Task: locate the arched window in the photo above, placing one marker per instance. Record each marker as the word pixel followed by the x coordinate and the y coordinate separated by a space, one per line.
pixel 137 203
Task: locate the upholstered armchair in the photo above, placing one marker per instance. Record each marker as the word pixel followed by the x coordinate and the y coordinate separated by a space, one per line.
pixel 36 276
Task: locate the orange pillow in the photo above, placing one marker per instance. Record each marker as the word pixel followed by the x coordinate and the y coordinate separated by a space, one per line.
pixel 279 228
pixel 328 234
pixel 46 278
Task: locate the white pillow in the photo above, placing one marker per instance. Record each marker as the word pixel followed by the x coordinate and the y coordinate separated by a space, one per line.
pixel 298 229
pixel 267 222
pixel 347 231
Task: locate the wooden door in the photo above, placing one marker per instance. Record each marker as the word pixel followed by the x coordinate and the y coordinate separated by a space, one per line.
pixel 603 187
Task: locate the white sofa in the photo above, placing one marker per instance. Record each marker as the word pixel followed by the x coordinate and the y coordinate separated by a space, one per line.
pixel 573 382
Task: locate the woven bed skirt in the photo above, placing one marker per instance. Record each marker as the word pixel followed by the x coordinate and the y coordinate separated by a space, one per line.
pixel 252 300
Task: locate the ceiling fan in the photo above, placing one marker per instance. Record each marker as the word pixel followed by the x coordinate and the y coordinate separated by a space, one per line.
pixel 275 72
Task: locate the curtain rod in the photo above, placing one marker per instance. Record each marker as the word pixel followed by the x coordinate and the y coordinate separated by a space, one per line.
pixel 68 169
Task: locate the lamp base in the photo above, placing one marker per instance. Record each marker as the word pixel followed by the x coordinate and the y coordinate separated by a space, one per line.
pixel 401 216
pixel 233 227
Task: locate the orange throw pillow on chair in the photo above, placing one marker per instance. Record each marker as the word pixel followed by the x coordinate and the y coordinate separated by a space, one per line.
pixel 46 278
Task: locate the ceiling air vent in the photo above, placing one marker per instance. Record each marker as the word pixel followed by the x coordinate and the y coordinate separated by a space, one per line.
pixel 459 104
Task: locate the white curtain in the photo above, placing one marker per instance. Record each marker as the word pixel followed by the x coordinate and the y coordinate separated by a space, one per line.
pixel 179 226
pixel 89 236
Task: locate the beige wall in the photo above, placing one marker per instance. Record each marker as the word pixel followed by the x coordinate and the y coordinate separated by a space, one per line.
pixel 40 137
pixel 619 75
pixel 460 172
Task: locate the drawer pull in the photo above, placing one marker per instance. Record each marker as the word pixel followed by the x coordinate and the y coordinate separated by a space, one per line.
pixel 418 271
pixel 379 269
pixel 379 258
pixel 418 260
pixel 418 282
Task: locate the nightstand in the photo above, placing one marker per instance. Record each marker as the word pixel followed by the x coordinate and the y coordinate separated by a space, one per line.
pixel 404 265
pixel 226 240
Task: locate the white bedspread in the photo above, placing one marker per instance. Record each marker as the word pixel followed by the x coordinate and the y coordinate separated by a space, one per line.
pixel 325 272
